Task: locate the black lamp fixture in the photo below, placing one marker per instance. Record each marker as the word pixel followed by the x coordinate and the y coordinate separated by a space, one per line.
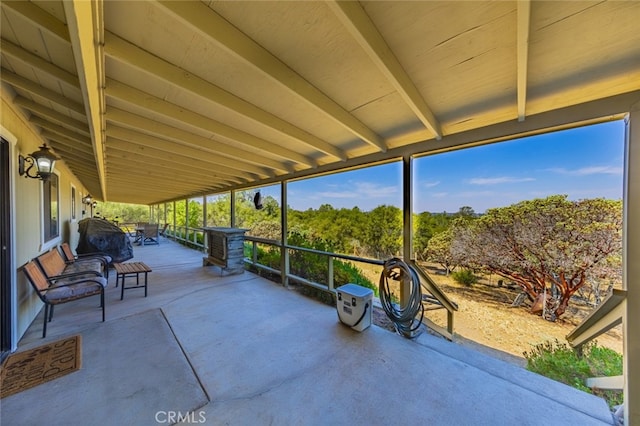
pixel 88 200
pixel 43 160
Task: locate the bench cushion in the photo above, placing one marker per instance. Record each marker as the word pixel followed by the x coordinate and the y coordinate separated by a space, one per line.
pixel 85 265
pixel 63 293
pixel 53 264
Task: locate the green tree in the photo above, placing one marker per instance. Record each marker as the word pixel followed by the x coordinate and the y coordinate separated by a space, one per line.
pixel 548 246
pixel 195 214
pixel 439 250
pixel 122 212
pixel 263 223
pixel 342 228
pixel 428 225
pixel 383 234
pixel 219 210
pixel 466 212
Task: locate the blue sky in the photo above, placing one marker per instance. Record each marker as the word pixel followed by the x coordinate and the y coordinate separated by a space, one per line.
pixel 586 162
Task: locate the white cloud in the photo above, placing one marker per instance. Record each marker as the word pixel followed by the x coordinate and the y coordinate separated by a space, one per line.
pixel 360 190
pixel 430 184
pixel 587 171
pixel 475 194
pixel 335 194
pixel 374 190
pixel 498 180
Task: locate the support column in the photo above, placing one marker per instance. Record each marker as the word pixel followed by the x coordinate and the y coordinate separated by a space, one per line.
pixel 232 208
pixel 631 271
pixel 175 225
pixel 186 219
pixel 407 224
pixel 204 211
pixel 284 224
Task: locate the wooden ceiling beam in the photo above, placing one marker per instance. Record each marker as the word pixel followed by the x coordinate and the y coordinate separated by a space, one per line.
pixel 122 50
pixel 523 24
pixel 86 29
pixel 60 119
pixel 69 152
pixel 138 170
pixel 84 147
pixel 62 131
pixel 235 167
pixel 77 164
pixel 78 168
pixel 164 131
pixel 145 178
pixel 123 150
pixel 144 100
pixel 119 161
pixel 40 64
pixel 42 19
pixel 35 89
pixel 145 186
pixel 360 26
pixel 199 16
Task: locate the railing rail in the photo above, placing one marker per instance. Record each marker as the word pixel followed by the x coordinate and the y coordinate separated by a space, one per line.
pixel 329 287
pixel 437 296
pixel 609 314
pixel 606 316
pixel 186 234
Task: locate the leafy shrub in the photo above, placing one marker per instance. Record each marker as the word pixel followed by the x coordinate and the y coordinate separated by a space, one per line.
pixel 561 363
pixel 465 277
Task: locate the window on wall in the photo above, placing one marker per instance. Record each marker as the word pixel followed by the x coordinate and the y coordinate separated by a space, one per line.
pixel 73 203
pixel 50 197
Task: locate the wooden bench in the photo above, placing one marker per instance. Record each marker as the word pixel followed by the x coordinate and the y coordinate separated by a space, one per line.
pixel 54 265
pixel 71 257
pixel 63 288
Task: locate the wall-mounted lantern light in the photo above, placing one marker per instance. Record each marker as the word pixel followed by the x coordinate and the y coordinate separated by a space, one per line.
pixel 90 202
pixel 43 160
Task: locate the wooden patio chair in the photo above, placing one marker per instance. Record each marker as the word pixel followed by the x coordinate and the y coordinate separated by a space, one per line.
pixel 58 292
pixel 53 264
pixel 70 257
pixel 151 234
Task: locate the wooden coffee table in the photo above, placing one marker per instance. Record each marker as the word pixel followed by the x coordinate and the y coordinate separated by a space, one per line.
pixel 130 269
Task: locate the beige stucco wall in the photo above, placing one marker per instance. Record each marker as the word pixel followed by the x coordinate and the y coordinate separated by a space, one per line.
pixel 27 212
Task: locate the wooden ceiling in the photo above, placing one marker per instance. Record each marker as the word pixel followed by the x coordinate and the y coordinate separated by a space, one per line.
pixel 148 101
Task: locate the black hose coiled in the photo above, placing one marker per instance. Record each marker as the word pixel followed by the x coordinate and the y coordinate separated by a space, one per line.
pixel 404 319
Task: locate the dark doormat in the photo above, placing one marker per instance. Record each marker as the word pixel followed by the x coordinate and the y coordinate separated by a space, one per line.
pixel 24 370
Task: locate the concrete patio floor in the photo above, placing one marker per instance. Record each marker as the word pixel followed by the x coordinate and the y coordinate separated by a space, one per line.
pixel 241 350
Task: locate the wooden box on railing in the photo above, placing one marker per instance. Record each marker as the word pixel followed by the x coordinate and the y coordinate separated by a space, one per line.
pixel 225 248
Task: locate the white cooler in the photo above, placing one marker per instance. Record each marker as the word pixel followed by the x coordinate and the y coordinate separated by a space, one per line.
pixel 354 306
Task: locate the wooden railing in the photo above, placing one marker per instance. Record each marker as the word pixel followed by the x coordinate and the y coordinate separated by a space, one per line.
pixel 609 314
pixel 186 236
pixel 606 316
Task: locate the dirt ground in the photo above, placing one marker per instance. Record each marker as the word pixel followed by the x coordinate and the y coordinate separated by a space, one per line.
pixel 486 321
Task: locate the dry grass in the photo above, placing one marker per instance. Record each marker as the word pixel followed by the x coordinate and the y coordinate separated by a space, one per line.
pixel 486 320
